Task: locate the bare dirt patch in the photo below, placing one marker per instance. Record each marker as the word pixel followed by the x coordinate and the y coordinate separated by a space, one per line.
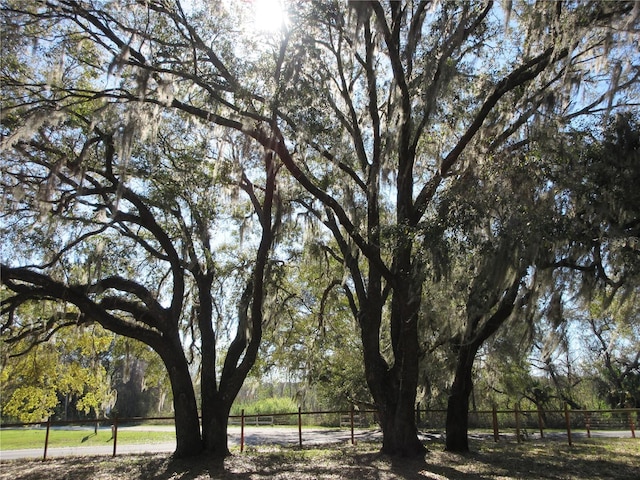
pixel 617 459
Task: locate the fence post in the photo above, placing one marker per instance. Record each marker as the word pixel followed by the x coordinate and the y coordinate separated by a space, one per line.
pixel 632 425
pixel 496 434
pixel 567 420
pixel 351 413
pixel 115 434
pixel 46 439
pixel 517 413
pixel 242 430
pixel 540 421
pixel 300 426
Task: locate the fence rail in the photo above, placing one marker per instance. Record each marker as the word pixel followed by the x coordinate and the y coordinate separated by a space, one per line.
pixel 520 421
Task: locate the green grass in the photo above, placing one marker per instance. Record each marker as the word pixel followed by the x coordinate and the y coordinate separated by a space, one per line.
pixel 22 438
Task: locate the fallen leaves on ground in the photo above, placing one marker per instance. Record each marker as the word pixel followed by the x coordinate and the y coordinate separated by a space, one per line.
pixel 619 459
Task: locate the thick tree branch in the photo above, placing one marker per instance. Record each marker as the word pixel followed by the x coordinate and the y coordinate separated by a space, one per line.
pixel 34 286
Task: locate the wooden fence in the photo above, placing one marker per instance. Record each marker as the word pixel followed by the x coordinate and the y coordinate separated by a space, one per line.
pixel 519 421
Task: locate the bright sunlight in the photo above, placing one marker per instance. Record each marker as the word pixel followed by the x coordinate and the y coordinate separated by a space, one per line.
pixel 270 16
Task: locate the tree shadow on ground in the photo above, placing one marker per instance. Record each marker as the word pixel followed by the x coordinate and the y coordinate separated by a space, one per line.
pixel 532 460
pixel 554 460
pixel 429 468
pixel 305 465
pixel 87 437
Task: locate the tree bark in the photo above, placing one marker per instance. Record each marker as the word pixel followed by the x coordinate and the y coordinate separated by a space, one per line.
pixel 187 423
pixel 457 423
pixel 394 389
pixel 399 431
pixel 214 428
pixel 214 412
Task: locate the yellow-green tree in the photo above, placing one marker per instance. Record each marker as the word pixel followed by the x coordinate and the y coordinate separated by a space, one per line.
pixel 38 379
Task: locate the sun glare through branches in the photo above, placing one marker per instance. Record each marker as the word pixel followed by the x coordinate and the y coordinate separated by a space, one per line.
pixel 269 16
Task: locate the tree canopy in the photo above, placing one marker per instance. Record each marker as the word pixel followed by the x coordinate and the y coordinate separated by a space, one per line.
pixel 129 241
pixel 420 139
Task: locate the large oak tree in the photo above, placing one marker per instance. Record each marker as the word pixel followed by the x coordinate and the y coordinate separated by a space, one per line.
pixel 134 242
pixel 375 108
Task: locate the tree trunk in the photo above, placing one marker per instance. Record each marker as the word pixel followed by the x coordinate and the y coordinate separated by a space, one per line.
pixel 477 332
pixel 457 423
pixel 215 414
pixel 400 434
pixel 187 423
pixel 394 389
pixel 215 421
pixel 399 431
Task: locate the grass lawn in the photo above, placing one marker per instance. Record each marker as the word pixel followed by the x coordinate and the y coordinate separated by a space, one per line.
pixel 545 459
pixel 21 438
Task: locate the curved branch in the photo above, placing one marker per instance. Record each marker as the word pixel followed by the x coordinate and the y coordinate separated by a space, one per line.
pixel 35 286
pixel 519 76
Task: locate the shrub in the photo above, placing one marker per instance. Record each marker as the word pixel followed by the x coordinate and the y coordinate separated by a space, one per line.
pixel 269 406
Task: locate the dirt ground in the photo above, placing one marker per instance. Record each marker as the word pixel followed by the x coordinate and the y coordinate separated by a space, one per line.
pixel 593 459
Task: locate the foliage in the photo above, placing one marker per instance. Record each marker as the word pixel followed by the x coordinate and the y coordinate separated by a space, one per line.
pixel 596 174
pixel 140 379
pixel 596 268
pixel 34 379
pixel 266 406
pixel 612 338
pixel 312 337
pixel 122 235
pixel 409 129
